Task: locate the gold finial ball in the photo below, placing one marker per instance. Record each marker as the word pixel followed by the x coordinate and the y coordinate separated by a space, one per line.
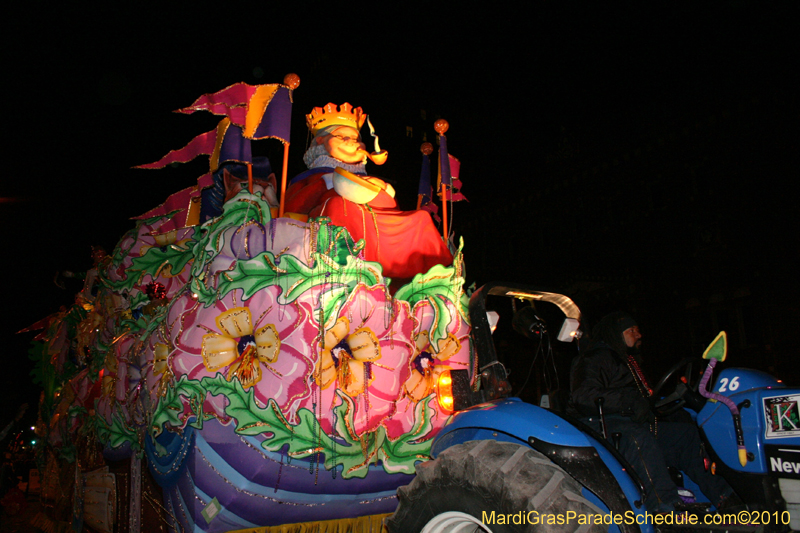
pixel 426 148
pixel 292 81
pixel 441 126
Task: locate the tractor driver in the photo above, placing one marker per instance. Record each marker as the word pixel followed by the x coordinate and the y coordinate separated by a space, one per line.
pixel 611 369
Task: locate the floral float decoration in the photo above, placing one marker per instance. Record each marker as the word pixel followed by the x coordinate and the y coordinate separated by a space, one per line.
pixel 238 334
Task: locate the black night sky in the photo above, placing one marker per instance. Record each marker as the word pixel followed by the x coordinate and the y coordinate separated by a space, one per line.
pixel 639 157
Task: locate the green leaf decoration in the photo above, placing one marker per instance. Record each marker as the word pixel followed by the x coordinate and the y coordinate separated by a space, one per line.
pixel 403 453
pixel 295 278
pixel 76 410
pixel 438 281
pixel 354 271
pixel 152 262
pixel 203 294
pixel 439 285
pixel 157 259
pixel 98 359
pixel 152 220
pixel 237 211
pixel 170 407
pixel 152 322
pixel 304 439
pixel 331 303
pixel 441 321
pixel 134 325
pixel 138 300
pixel 116 434
pixel 68 453
pixel 119 255
pixel 464 307
pixel 251 419
pixel 335 241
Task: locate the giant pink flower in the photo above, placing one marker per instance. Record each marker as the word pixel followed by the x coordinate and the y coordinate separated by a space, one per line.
pixel 156 378
pixel 428 362
pixel 365 355
pixel 263 344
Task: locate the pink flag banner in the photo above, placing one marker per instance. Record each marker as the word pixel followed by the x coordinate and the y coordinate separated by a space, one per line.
pixel 454 190
pixel 203 144
pixel 181 200
pixel 262 111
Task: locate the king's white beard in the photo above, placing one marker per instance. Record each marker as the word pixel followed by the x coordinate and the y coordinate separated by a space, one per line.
pixel 317 156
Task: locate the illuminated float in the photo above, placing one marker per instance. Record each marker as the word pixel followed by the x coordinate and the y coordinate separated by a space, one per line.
pixel 247 346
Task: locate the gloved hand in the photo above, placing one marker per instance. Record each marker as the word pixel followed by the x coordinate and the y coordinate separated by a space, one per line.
pixel 641 411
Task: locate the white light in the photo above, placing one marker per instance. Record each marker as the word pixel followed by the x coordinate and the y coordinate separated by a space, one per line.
pixel 569 330
pixel 494 318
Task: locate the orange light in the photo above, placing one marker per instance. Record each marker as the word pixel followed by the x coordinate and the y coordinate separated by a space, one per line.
pixel 444 391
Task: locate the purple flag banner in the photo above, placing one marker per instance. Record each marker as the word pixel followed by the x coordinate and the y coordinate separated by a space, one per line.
pixel 276 119
pixel 444 160
pixel 262 111
pixel 425 191
pixel 234 147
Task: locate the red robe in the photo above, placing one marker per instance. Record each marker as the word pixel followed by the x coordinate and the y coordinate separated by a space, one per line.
pixel 405 243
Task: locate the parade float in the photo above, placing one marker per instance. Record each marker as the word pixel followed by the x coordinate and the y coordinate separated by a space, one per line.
pixel 257 352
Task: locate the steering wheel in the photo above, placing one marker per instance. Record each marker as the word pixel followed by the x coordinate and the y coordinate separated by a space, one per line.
pixel 685 393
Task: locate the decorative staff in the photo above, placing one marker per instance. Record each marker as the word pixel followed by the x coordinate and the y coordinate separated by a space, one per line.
pixel 425 191
pixel 441 126
pixel 293 82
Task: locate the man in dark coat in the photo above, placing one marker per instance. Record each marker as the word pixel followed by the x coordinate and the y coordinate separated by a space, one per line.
pixel 611 369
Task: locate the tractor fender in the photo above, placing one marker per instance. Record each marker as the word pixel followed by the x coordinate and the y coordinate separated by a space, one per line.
pixel 578 453
pixel 514 418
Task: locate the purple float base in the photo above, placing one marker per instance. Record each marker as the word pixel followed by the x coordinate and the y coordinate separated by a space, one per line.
pixel 257 488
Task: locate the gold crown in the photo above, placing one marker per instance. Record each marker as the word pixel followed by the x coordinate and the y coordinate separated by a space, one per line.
pixel 333 115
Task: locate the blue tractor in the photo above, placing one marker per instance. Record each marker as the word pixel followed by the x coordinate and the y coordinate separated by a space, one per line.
pixel 502 464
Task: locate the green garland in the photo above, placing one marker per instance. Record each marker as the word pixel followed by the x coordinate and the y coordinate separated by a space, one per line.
pixel 304 439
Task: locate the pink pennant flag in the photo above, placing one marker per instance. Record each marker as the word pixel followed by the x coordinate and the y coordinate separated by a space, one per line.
pixel 262 111
pixel 454 191
pixel 181 200
pixel 203 144
pixel 222 102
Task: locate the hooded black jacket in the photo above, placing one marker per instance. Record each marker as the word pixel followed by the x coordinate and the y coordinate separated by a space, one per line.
pixel 602 372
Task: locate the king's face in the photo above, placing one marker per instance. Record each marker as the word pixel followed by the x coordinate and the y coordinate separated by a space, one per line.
pixel 344 145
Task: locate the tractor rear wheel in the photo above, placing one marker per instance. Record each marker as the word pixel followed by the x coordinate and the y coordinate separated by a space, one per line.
pixel 491 487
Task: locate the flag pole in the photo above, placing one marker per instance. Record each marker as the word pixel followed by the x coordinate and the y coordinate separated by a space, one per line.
pixel 283 177
pixel 424 182
pixel 293 82
pixel 441 126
